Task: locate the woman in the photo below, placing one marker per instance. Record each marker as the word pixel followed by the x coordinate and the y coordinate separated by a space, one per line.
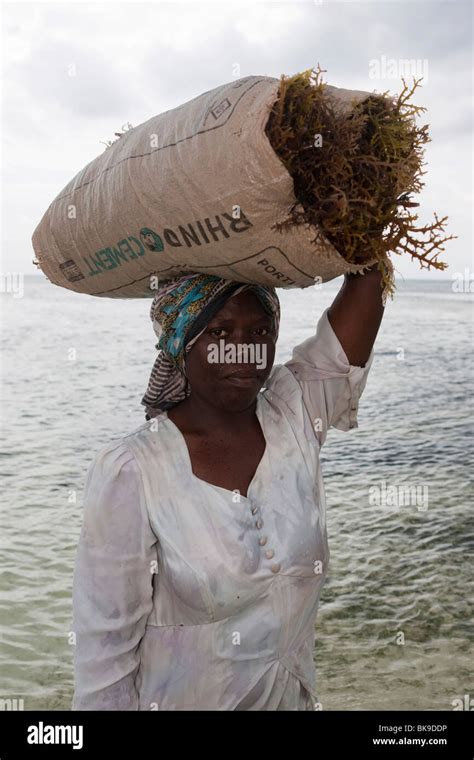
pixel 204 549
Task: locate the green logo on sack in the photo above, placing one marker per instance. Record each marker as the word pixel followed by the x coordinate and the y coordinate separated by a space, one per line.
pixel 194 234
pixel 151 239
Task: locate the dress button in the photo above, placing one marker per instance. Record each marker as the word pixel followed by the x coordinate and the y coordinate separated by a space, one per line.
pixel 269 553
pixel 254 510
pixel 259 524
pixel 275 568
pixel 262 541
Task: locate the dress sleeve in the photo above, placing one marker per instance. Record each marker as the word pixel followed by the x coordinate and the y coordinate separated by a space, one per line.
pixel 112 584
pixel 331 386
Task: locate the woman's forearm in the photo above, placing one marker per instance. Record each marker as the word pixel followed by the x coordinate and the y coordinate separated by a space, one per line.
pixel 356 313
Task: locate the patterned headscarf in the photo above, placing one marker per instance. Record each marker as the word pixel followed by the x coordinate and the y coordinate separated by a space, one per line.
pixel 180 312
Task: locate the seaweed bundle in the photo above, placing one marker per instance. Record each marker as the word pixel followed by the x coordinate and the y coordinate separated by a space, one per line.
pixel 355 171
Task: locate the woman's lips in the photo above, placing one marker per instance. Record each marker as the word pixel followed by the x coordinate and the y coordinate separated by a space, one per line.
pixel 243 378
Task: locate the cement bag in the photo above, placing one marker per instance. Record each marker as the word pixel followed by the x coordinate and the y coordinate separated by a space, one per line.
pixel 198 188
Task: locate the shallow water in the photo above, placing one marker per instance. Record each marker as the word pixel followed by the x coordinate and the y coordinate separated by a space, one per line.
pixel 394 628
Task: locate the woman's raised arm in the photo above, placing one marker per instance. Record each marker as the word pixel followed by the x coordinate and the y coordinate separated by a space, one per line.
pixel 356 313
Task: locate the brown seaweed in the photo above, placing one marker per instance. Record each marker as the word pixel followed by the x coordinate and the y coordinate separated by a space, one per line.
pixel 355 172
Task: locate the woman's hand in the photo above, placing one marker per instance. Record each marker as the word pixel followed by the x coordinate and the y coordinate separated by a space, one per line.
pixel 356 313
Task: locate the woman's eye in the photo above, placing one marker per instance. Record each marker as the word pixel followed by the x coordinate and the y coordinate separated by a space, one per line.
pixel 259 330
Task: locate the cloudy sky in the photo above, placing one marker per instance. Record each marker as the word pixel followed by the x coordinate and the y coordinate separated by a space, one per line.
pixel 131 61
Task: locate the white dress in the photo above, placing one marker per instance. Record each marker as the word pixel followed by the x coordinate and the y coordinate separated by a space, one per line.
pixel 188 596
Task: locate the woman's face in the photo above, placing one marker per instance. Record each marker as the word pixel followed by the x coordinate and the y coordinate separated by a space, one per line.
pixel 239 339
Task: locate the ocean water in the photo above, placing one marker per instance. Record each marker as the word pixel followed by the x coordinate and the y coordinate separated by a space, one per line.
pixel 394 628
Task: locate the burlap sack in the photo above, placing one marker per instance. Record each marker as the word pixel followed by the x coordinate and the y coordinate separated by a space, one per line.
pixel 197 188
